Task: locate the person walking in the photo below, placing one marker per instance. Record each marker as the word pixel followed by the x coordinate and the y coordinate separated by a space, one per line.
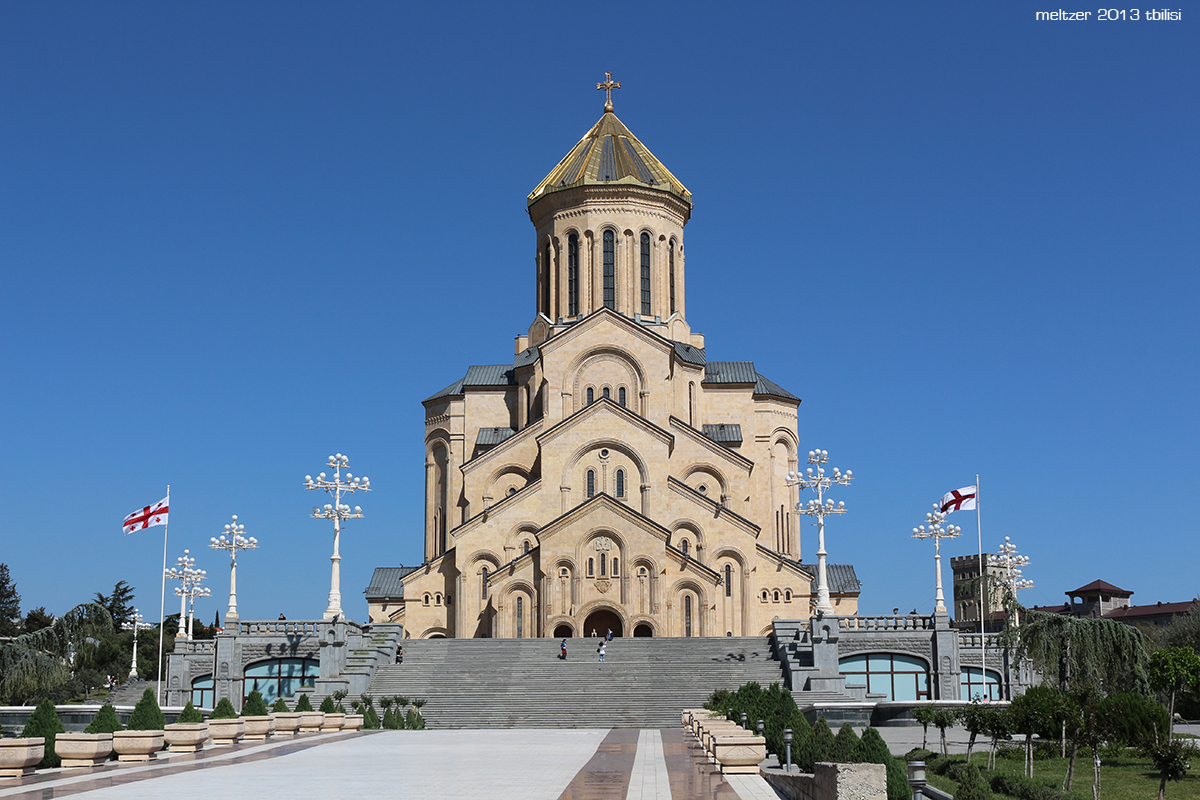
pixel 399 654
pixel 564 649
pixel 601 652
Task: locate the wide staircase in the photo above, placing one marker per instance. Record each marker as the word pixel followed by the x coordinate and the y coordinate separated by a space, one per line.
pixel 521 683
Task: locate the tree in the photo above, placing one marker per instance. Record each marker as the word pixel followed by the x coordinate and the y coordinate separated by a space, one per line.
pixel 37 619
pixel 971 785
pixel 924 715
pixel 224 709
pixel 44 722
pixel 33 666
pixel 845 745
pixel 1171 758
pixel 303 704
pixel 975 720
pixel 1072 653
pixel 147 716
pixel 190 715
pixel 255 707
pixel 119 603
pixel 998 726
pixel 280 707
pixel 10 604
pixel 1033 712
pixel 105 721
pixel 1172 669
pixel 944 718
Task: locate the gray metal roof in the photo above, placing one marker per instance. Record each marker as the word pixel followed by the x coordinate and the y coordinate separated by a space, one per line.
pixel 724 432
pixel 730 372
pixel 842 579
pixel 449 391
pixel 489 375
pixel 385 582
pixel 769 387
pixel 689 354
pixel 489 437
pixel 526 357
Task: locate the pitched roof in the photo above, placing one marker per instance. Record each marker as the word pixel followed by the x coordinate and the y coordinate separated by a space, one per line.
pixel 386 582
pixel 730 372
pixel 772 389
pixel 1100 586
pixel 526 357
pixel 1157 610
pixel 689 354
pixel 490 375
pixel 724 432
pixel 489 437
pixel 842 579
pixel 449 391
pixel 610 153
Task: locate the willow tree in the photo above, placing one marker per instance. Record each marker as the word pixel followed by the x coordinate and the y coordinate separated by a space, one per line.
pixel 34 665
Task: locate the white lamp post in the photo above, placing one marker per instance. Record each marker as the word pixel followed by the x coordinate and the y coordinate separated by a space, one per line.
pixel 1010 563
pixel 195 592
pixel 189 579
pixel 338 512
pixel 135 624
pixel 820 508
pixel 235 542
pixel 932 529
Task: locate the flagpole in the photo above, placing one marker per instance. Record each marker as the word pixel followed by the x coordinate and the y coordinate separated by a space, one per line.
pixel 982 589
pixel 162 605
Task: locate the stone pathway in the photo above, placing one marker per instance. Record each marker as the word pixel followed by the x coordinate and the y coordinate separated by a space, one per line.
pixel 513 764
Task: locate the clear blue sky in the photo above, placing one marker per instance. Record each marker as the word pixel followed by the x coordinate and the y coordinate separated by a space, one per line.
pixel 236 238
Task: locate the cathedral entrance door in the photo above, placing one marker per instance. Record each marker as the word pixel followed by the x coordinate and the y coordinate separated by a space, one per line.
pixel 600 621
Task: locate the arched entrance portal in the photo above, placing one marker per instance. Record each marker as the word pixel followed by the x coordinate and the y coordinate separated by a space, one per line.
pixel 563 631
pixel 643 629
pixel 601 620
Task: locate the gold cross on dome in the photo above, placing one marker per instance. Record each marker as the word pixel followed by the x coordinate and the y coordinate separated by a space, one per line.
pixel 608 85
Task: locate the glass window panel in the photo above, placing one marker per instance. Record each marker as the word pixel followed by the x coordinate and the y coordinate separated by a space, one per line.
pixel 854 664
pixel 879 662
pixel 907 664
pixel 879 684
pixel 906 687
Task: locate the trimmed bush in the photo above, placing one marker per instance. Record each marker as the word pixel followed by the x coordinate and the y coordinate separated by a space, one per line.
pixel 147 716
pixel 327 706
pixel 414 721
pixel 389 720
pixel 304 704
pixel 224 710
pixel 255 707
pixel 817 745
pixel 105 721
pixel 971 785
pixel 189 715
pixel 1134 718
pixel 44 722
pixel 280 707
pixel 371 718
pixel 845 744
pixel 773 705
pixel 1025 789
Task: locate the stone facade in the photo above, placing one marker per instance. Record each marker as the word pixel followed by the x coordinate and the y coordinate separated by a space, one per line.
pixel 611 475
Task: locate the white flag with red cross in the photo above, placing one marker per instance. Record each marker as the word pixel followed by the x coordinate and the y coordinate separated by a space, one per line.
pixel 147 517
pixel 959 500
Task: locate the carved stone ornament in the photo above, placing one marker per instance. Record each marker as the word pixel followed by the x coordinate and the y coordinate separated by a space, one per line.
pixel 602 544
pixel 603 584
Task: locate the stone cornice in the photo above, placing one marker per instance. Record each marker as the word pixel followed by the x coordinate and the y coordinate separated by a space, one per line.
pixel 717 510
pixel 737 459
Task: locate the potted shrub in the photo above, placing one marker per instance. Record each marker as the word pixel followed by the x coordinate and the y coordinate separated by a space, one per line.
pixel 145 735
pixel 256 715
pixel 44 723
pixel 224 725
pixel 20 756
pixel 287 723
pixel 333 720
pixel 92 747
pixel 189 733
pixel 310 721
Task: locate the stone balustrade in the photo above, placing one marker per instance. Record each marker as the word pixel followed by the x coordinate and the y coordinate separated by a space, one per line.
pixel 727 744
pixel 867 624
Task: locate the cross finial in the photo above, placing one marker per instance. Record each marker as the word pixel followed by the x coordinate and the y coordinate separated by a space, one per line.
pixel 608 85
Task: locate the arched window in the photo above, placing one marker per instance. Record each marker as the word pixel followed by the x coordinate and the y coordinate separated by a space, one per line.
pixel 546 281
pixel 646 274
pixel 671 269
pixel 591 395
pixel 765 596
pixel 437 599
pixel 591 567
pixel 525 547
pixel 511 491
pixel 591 483
pixel 687 615
pixel 607 393
pixel 520 617
pixel 898 677
pixel 621 396
pixel 620 483
pixel 692 403
pixel 573 274
pixel 483 587
pixel 614 566
pixel 775 596
pixel 728 580
pixel 683 545
pixel 426 599
pixel 787 595
pixel 279 677
pixel 972 684
pixel 610 271
pixel 204 692
pixel 603 564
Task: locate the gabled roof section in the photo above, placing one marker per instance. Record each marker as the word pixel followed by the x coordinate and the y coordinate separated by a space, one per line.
pixel 689 354
pixel 1104 587
pixel 489 375
pixel 526 357
pixel 730 372
pixel 598 407
pixel 452 390
pixel 602 499
pixel 842 578
pixel 610 153
pixel 687 561
pixel 386 582
pixel 716 508
pixel 490 437
pixel 711 445
pixel 725 433
pixel 771 389
pixel 599 316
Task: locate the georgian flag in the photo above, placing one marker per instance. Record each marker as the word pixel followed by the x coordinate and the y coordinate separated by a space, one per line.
pixel 959 500
pixel 146 517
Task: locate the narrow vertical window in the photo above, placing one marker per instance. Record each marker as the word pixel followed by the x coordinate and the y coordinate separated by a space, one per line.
pixel 591 567
pixel 483 589
pixel 610 271
pixel 573 274
pixel 525 547
pixel 591 395
pixel 728 580
pixel 607 394
pixel 620 483
pixel 621 396
pixel 646 274
pixel 603 560
pixel 520 617
pixel 687 615
pixel 684 546
pixel 614 567
pixel 546 281
pixel 692 404
pixel 591 483
pixel 671 269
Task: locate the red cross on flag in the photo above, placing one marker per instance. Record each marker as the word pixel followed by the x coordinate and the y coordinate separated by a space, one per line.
pixel 959 500
pixel 146 517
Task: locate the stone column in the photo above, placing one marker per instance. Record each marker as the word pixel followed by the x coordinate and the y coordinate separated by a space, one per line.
pixel 645 500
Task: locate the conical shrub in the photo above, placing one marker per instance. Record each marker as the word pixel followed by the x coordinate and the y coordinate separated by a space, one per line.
pixel 280 707
pixel 105 721
pixel 327 706
pixel 304 704
pixel 44 722
pixel 845 745
pixel 224 710
pixel 255 707
pixel 190 715
pixel 147 716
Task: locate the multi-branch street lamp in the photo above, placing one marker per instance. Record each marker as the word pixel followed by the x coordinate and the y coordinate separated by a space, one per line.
pixel 135 624
pixel 338 512
pixel 235 542
pixel 933 529
pixel 820 508
pixel 189 579
pixel 1010 563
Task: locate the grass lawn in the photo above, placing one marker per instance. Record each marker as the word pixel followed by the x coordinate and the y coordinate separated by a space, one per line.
pixel 1127 776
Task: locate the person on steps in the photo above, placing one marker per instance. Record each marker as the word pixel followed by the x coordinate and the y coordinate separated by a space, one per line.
pixel 564 649
pixel 399 654
pixel 608 637
pixel 600 650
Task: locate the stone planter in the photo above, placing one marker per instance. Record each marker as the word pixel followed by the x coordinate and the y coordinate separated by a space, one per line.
pixel 18 757
pixel 739 754
pixel 352 722
pixel 311 721
pixel 225 732
pixel 258 728
pixel 137 745
pixel 83 749
pixel 333 722
pixel 186 737
pixel 287 723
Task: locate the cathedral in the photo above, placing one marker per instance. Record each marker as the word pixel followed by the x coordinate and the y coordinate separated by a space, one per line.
pixel 610 476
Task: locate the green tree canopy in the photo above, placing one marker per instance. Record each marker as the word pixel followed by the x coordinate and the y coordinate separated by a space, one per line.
pixel 119 603
pixel 37 619
pixel 147 716
pixel 44 722
pixel 33 666
pixel 1172 669
pixel 1074 653
pixel 10 604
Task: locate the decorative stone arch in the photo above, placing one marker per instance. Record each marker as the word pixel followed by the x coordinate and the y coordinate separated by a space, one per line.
pixel 713 472
pixel 620 548
pixel 438 460
pixel 496 480
pixel 486 556
pixel 602 605
pixel 435 632
pixel 638 621
pixel 573 382
pixel 681 589
pixel 563 627
pixel 522 531
pixel 524 626
pixel 624 449
pixel 686 527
